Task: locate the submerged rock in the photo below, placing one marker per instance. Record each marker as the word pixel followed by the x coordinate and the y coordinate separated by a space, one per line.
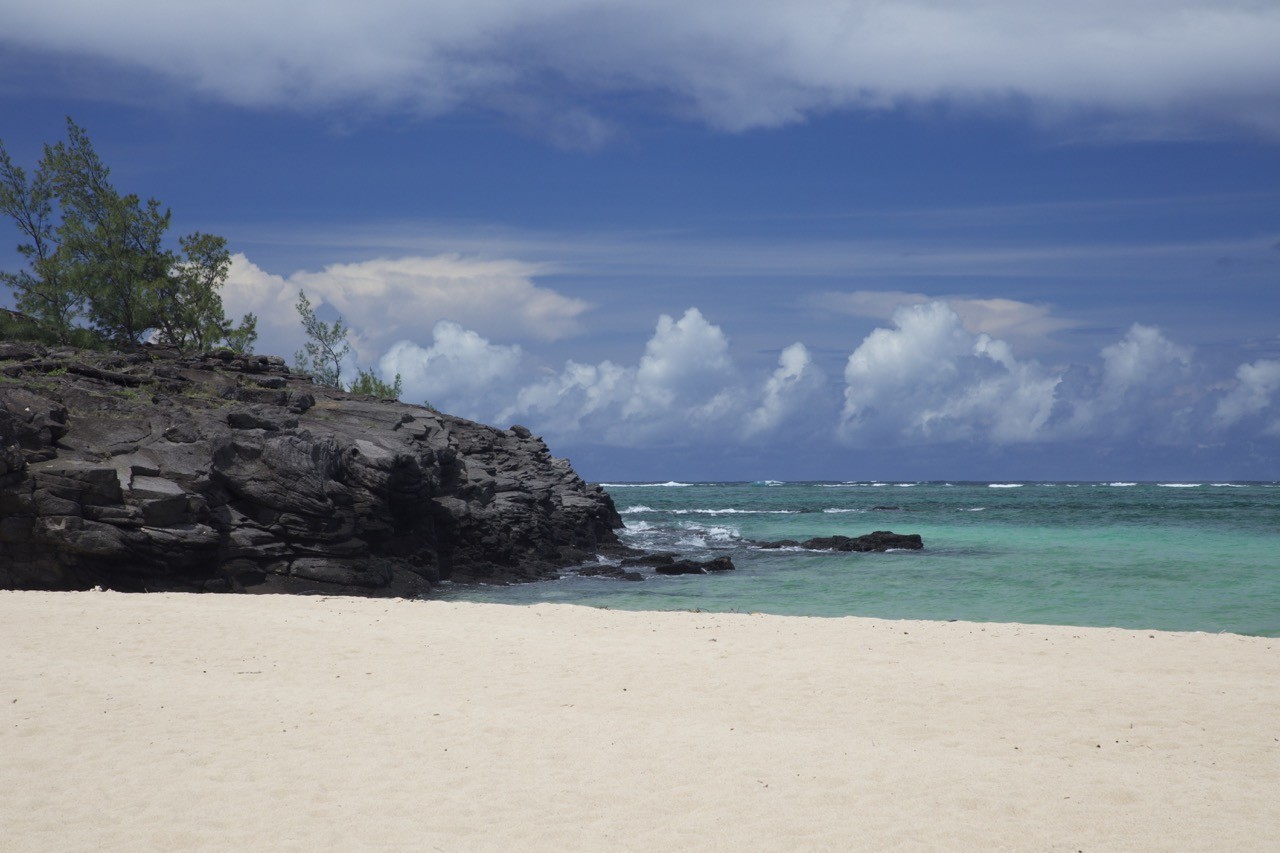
pixel 152 470
pixel 880 540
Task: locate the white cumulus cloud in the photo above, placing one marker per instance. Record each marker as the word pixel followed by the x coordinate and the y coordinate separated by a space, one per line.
pixel 1009 319
pixel 685 364
pixel 460 372
pixel 392 299
pixel 580 395
pixel 1144 388
pixel 786 391
pixel 1254 394
pixel 685 388
pixel 930 380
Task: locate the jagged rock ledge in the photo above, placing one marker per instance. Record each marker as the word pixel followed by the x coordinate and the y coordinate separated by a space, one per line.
pixel 152 470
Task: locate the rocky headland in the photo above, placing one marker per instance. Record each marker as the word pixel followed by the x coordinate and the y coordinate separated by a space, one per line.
pixel 155 470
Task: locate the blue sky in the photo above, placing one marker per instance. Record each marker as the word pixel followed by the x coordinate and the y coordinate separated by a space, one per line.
pixel 715 240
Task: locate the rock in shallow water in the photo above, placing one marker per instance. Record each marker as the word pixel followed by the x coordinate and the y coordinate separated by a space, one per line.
pixel 880 540
pixel 692 567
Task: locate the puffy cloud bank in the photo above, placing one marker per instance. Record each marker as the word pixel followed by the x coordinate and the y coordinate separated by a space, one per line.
pixel 686 389
pixel 459 366
pixel 733 64
pixel 931 380
pixel 927 380
pixel 936 373
pixel 1255 397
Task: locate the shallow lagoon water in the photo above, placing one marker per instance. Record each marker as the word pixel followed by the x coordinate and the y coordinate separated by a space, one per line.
pixel 1173 556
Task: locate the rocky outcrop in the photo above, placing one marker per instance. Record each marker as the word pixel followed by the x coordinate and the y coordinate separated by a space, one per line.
pixel 880 540
pixel 151 470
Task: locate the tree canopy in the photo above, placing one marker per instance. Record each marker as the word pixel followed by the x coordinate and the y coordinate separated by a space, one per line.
pixel 97 257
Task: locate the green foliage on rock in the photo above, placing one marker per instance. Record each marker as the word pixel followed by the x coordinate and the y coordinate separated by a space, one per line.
pixel 366 382
pixel 326 346
pixel 44 293
pixel 100 256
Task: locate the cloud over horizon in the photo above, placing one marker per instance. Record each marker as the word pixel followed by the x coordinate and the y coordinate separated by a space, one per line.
pixel 1139 68
pixel 925 380
pixel 930 380
pixel 939 373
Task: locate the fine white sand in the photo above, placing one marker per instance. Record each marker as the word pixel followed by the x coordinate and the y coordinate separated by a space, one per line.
pixel 177 722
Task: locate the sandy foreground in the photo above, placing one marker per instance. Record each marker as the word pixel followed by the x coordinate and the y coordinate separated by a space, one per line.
pixel 182 722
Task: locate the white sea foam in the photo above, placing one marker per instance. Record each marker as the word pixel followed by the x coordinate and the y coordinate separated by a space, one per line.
pixel 1230 485
pixel 731 511
pixel 668 485
pixel 631 510
pixel 834 510
pixel 637 526
pixel 1121 485
pixel 973 509
pixel 722 534
pixel 1179 485
pixel 748 511
pixel 702 536
pixel 1004 485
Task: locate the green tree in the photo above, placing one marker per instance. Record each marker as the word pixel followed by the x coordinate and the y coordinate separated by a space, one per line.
pixel 242 338
pixel 189 311
pixel 44 293
pixel 326 346
pixel 101 255
pixel 115 244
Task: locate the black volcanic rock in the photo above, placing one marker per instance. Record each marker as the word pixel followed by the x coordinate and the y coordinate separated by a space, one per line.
pixel 151 470
pixel 692 567
pixel 880 540
pixel 609 572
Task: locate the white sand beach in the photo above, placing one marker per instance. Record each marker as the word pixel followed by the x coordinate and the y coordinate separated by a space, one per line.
pixel 184 722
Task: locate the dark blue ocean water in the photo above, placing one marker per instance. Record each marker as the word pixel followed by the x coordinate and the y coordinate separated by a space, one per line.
pixel 1171 556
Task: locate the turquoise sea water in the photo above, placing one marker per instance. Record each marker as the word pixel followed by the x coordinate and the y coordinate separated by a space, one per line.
pixel 1170 556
